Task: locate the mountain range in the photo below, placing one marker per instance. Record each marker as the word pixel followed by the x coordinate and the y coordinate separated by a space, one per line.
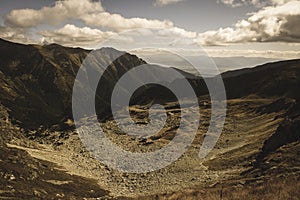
pixel 36 84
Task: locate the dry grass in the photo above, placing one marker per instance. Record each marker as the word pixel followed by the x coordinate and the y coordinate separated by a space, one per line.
pixel 274 189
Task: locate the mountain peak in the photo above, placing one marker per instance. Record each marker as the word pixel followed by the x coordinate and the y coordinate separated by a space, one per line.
pixel 7 42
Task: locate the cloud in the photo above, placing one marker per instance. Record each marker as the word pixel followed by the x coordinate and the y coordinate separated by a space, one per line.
pixel 258 3
pixel 254 53
pixel 232 3
pixel 91 13
pixel 71 35
pixel 271 24
pixel 119 23
pixel 166 2
pixel 275 23
pixel 176 32
pixel 14 34
pixel 61 11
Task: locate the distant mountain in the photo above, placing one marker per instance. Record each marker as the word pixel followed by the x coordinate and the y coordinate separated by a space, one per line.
pixel 204 64
pixel 235 63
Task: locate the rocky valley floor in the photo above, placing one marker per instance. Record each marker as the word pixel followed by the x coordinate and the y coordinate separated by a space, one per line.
pixel 55 164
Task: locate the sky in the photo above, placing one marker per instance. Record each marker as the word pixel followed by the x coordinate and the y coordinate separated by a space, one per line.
pixel 220 28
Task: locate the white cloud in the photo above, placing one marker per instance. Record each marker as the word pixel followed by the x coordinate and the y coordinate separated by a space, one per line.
pixel 177 32
pixel 279 22
pixel 91 13
pixel 71 35
pixel 232 3
pixel 270 24
pixel 253 53
pixel 166 2
pixel 15 35
pixel 258 3
pixel 119 23
pixel 61 11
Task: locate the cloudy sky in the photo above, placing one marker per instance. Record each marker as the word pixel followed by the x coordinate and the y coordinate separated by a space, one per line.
pixel 224 28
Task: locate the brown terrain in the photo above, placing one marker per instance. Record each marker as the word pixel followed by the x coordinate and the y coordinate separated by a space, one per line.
pixel 42 156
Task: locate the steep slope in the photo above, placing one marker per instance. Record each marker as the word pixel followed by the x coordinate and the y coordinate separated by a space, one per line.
pixel 279 79
pixel 34 85
pixel 25 177
pixel 37 81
